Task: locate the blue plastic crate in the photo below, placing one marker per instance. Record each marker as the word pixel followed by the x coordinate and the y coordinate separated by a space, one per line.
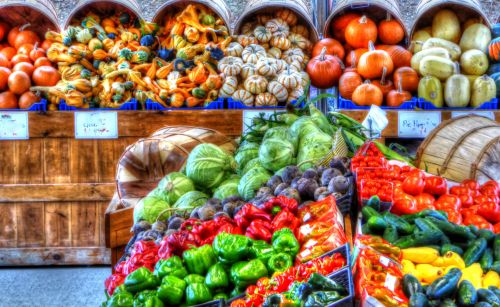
pixel 216 303
pixel 229 301
pixel 127 106
pixel 344 277
pixel 40 106
pixel 489 105
pixel 344 250
pixel 238 105
pixel 214 105
pixel 349 105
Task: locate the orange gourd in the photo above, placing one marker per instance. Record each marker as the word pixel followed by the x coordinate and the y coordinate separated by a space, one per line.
pixel 339 24
pixel 353 56
pixel 19 82
pixel 25 37
pixel 353 61
pixel 46 76
pixel 4 76
pixel 390 31
pixel 348 82
pixel 28 68
pixel 4 62
pixel 367 94
pixel 400 56
pixel 8 100
pixel 395 98
pixel 359 32
pixel 333 47
pixel 324 70
pixel 27 100
pixel 9 52
pixel 407 77
pixel 372 63
pixel 384 84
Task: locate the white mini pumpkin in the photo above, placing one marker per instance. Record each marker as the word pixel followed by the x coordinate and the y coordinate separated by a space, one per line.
pixel 247 70
pixel 298 41
pixel 234 49
pixel 256 84
pixel 230 66
pixel 296 66
pixel 246 40
pixel 280 42
pixel 252 53
pixel 262 34
pixel 288 16
pixel 274 53
pixel 295 94
pixel 266 67
pixel 294 54
pixel 278 27
pixel 301 30
pixel 247 28
pixel 244 97
pixel 305 79
pixel 229 86
pixel 281 65
pixel 278 90
pixel 290 78
pixel 265 99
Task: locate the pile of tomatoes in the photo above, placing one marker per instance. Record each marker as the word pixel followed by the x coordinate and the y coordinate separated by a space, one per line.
pixel 23 64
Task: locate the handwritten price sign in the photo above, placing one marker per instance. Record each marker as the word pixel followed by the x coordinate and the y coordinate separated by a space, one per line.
pixel 14 126
pixel 417 124
pixel 96 125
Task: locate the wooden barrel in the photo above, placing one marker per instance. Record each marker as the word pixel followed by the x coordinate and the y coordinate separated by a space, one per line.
pixel 461 148
pixel 41 14
pixel 219 7
pixel 103 8
pixel 146 162
pixel 300 7
pixel 375 9
pixel 465 9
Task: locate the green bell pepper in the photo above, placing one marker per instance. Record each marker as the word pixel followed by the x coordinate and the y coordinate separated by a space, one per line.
pixel 216 277
pixel 322 298
pixel 245 273
pixel 121 299
pixel 194 279
pixel 284 241
pixel 261 250
pixel 219 296
pixel 231 248
pixel 171 290
pixel 170 266
pixel 199 260
pixel 279 262
pixel 120 288
pixel 197 293
pixel 320 282
pixel 148 300
pixel 141 279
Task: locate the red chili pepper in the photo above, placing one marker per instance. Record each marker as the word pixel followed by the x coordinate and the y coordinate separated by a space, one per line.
pixel 414 184
pixel 478 221
pixel 490 211
pixel 283 219
pixel 248 213
pixel 435 185
pixel 448 202
pixel 259 230
pixel 112 282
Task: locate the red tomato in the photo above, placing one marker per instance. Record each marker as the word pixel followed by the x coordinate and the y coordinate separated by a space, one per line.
pixel 425 201
pixel 435 185
pixel 454 216
pixel 404 205
pixel 478 221
pixel 414 185
pixel 448 202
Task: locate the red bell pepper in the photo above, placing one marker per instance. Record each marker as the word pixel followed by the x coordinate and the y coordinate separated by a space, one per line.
pixel 112 282
pixel 471 184
pixel 448 202
pixel 490 188
pixel 472 210
pixel 478 221
pixel 283 219
pixel 496 228
pixel 282 202
pixel 414 184
pixel 177 243
pixel 404 204
pixel 460 190
pixel 454 216
pixel 259 230
pixel 435 185
pixel 248 213
pixel 490 211
pixel 425 201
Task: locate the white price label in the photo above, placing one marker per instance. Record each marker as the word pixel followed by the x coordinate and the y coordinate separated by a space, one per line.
pixel 412 124
pixel 487 114
pixel 96 125
pixel 249 115
pixel 14 126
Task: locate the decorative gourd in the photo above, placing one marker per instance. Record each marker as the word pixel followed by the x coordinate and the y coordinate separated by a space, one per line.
pixel 340 24
pixel 400 56
pixel 265 99
pixel 229 87
pixel 262 34
pixel 245 40
pixel 278 90
pixel 266 67
pixel 296 66
pixel 446 25
pixel 352 57
pixel 263 19
pixel 495 30
pixel 390 31
pixel 298 41
pixel 234 49
pixel 372 63
pixel 295 94
pixel 407 77
pixel 289 78
pixel 252 53
pixel 199 74
pixel 494 50
pixel 438 67
pixel 418 40
pixel 244 97
pixel 295 54
pixel 483 90
pixel 359 32
pixel 278 27
pixel 281 66
pixel 348 82
pixel 300 30
pixel 469 22
pixel 431 90
pixel 191 34
pixel 247 70
pixel 288 16
pixel 384 84
pixel 474 62
pixel 453 49
pixel 333 47
pixel 367 94
pixel 436 51
pixel 477 36
pixel 230 66
pixel 324 70
pixel 457 89
pixel 395 98
pixel 274 53
pixel 496 78
pixel 280 42
pixel 256 84
pixel 305 79
pixel 247 28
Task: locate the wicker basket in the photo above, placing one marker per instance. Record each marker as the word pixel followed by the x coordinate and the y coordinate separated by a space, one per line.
pixel 41 14
pixel 103 8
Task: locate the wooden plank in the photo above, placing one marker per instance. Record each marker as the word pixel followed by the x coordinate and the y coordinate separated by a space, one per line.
pixel 56 160
pixel 8 225
pixel 56 192
pixel 7 167
pixel 83 163
pixel 30 225
pixel 54 256
pixel 28 161
pixel 57 224
pixel 118 224
pixel 84 224
pixel 101 211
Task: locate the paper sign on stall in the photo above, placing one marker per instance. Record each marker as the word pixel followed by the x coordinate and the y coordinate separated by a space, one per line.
pixel 14 126
pixel 96 125
pixel 417 124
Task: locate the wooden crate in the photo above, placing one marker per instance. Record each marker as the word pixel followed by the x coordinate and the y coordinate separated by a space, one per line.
pixel 54 190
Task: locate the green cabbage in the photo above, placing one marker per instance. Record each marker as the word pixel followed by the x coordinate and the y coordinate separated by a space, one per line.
pixel 252 181
pixel 173 186
pixel 208 165
pixel 187 202
pixel 281 133
pixel 245 153
pixel 148 209
pixel 276 153
pixel 304 126
pixel 311 153
pixel 254 163
pixel 227 188
pixel 320 120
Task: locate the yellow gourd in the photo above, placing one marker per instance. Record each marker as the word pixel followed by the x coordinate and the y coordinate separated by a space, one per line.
pixel 408 266
pixel 429 273
pixel 491 279
pixel 457 90
pixel 420 254
pixel 476 36
pixel 446 25
pixel 473 273
pixel 448 259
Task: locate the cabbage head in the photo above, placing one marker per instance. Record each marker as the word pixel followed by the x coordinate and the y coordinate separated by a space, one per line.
pixel 252 181
pixel 304 126
pixel 227 188
pixel 173 186
pixel 254 163
pixel 187 202
pixel 311 153
pixel 276 153
pixel 208 165
pixel 281 133
pixel 320 120
pixel 245 153
pixel 148 209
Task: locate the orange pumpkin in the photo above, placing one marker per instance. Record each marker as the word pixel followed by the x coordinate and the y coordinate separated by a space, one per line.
pixel 12 35
pixel 36 53
pixel 390 31
pixel 353 57
pixel 4 62
pixel 18 58
pixel 407 77
pixel 367 94
pixel 395 98
pixel 46 44
pixel 348 82
pixel 339 24
pixel 27 100
pixel 359 32
pixel 324 70
pixel 25 37
pixel 371 64
pixel 9 52
pixel 19 82
pixel 333 47
pixel 384 84
pixel 46 76
pixel 25 49
pixel 400 56
pixel 4 76
pixel 4 28
pixel 8 100
pixel 43 61
pixel 28 68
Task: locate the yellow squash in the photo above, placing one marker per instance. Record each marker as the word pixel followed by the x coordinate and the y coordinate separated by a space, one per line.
pixel 436 66
pixel 474 274
pixel 446 25
pixel 429 273
pixel 452 48
pixel 449 259
pixel 420 254
pixel 430 89
pixel 476 36
pixel 483 89
pixel 474 62
pixel 436 51
pixel 491 279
